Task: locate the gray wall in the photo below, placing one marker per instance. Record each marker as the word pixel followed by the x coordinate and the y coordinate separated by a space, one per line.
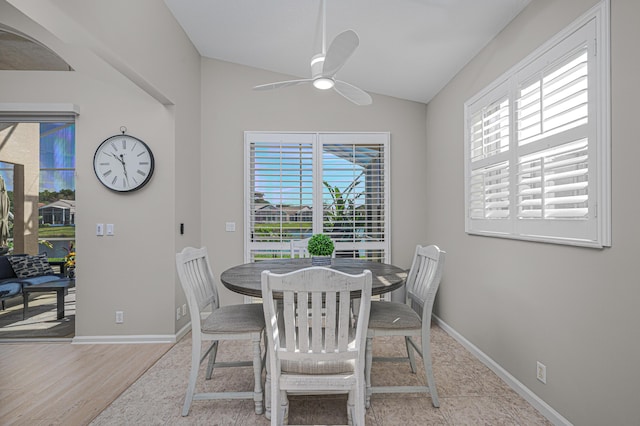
pixel 573 309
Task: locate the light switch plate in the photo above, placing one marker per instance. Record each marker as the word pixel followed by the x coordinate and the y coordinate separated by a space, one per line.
pixel 100 229
pixel 110 229
pixel 230 226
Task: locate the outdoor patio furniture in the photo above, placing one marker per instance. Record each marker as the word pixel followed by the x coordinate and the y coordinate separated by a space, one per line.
pixel 61 287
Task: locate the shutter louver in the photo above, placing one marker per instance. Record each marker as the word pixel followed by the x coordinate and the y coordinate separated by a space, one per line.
pixel 555 101
pixel 553 184
pixel 489 134
pixel 489 194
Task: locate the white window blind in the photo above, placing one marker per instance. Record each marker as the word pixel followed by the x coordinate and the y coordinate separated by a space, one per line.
pixel 299 184
pixel 537 143
pixel 354 194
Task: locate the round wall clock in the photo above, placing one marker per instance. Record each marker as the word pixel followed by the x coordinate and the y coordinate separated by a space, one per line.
pixel 123 163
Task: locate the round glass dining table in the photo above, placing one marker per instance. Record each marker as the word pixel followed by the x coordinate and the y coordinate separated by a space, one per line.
pixel 246 278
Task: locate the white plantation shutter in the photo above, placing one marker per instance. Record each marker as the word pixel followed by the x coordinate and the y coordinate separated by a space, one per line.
pixel 286 197
pixel 554 183
pixel 280 192
pixel 488 145
pixel 355 202
pixel 490 130
pixel 537 144
pixel 489 198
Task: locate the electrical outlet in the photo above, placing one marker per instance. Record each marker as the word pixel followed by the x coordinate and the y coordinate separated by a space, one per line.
pixel 184 309
pixel 177 313
pixel 541 372
pixel 119 317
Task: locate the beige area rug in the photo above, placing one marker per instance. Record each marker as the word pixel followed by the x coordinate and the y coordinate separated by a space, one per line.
pixel 470 394
pixel 41 321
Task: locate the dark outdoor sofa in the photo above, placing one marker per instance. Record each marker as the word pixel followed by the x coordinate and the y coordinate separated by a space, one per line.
pixel 20 270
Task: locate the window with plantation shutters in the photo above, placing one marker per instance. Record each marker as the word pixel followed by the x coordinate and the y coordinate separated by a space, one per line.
pixel 300 184
pixel 537 143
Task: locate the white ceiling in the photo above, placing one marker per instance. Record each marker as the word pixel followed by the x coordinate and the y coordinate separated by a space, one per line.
pixel 409 49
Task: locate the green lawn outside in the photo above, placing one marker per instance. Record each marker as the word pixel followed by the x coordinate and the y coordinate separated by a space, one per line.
pixel 45 232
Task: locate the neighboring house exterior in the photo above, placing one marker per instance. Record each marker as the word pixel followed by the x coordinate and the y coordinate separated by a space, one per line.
pixel 61 212
pixel 270 213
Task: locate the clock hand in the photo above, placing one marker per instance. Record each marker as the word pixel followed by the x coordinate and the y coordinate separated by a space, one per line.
pixel 117 158
pixel 124 166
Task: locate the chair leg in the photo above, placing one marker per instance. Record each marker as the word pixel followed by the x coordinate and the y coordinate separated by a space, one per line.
pixel 410 354
pixel 257 374
pixel 351 408
pixel 359 419
pixel 193 375
pixel 367 371
pixel 428 369
pixel 267 387
pixel 284 408
pixel 212 360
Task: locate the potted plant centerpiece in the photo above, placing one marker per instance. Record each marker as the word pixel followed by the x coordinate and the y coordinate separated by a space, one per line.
pixel 320 248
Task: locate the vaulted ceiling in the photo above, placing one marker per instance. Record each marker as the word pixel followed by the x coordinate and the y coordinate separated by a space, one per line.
pixel 408 49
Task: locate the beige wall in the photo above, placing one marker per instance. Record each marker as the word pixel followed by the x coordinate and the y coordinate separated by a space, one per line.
pixel 230 107
pixel 134 270
pixel 573 309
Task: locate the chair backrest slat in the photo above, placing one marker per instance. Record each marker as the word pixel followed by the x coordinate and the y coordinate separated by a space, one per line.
pixel 344 325
pixel 330 318
pixel 424 278
pixel 197 280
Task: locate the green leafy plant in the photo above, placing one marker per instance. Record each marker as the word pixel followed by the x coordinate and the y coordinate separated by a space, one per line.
pixel 320 245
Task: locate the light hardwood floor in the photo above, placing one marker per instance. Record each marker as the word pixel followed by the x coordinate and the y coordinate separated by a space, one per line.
pixel 61 383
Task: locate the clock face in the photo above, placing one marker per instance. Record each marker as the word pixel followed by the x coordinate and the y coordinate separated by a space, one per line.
pixel 123 163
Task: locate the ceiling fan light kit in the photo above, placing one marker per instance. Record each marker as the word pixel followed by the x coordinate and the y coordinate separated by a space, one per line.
pixel 323 83
pixel 325 65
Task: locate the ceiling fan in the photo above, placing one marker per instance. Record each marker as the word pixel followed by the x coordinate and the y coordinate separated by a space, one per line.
pixel 325 65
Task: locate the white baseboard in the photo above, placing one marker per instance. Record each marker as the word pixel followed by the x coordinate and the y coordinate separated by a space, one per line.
pixel 183 331
pixel 112 340
pixel 545 409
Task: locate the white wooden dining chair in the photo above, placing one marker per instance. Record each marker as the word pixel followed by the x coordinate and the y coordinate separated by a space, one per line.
pixel 234 322
pixel 409 319
pixel 299 248
pixel 309 352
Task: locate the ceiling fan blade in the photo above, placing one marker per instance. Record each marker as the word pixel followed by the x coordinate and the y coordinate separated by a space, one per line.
pixel 340 49
pixel 280 84
pixel 354 94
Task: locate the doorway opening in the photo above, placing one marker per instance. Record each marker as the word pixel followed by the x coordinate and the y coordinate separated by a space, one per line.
pixel 37 165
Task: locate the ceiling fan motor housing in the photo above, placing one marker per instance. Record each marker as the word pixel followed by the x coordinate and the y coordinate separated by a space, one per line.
pixel 317 63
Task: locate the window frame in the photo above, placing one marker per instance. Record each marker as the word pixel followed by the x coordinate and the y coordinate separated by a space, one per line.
pixel 595 230
pixel 317 140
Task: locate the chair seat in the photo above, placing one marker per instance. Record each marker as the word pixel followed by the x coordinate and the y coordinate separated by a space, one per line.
pixel 318 368
pixel 393 316
pixel 235 319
